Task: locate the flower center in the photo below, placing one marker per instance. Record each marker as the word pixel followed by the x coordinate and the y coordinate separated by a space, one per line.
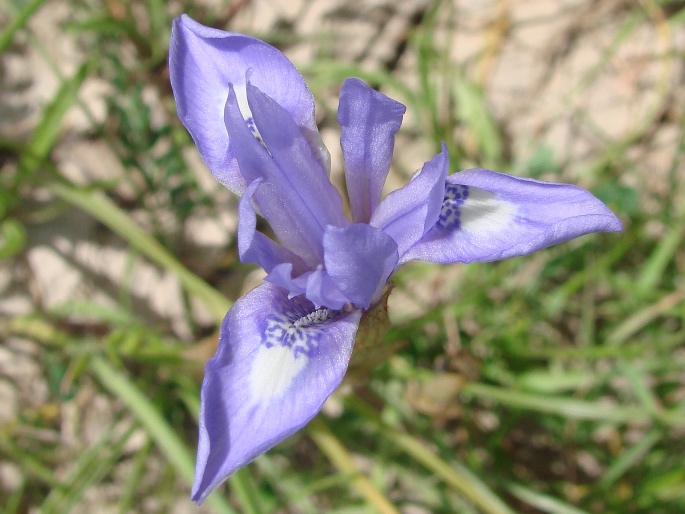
pixel 296 329
pixel 450 214
pixel 318 316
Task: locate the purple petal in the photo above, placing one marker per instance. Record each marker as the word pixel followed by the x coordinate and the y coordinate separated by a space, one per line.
pixel 408 213
pixel 278 361
pixel 302 180
pixel 202 62
pixel 255 247
pixel 295 224
pixel 369 121
pixel 316 285
pixel 282 276
pixel 322 291
pixel 487 216
pixel 360 259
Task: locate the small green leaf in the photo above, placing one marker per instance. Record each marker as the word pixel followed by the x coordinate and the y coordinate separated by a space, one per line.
pixel 12 238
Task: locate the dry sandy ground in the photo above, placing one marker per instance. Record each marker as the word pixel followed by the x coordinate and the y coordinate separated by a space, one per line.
pixel 551 70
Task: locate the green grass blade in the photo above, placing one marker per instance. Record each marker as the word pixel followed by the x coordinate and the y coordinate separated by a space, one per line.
pixel 157 428
pixel 473 112
pixel 44 136
pixel 634 323
pixel 90 468
pixel 453 474
pixel 542 502
pixel 653 268
pixel 629 458
pixel 335 451
pixel 13 501
pixel 100 207
pixel 33 468
pixel 570 408
pixel 127 498
pixel 18 22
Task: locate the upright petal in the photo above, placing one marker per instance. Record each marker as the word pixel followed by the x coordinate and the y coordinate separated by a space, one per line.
pixel 409 212
pixel 360 259
pixel 302 179
pixel 278 361
pixel 295 222
pixel 369 122
pixel 255 247
pixel 487 216
pixel 202 62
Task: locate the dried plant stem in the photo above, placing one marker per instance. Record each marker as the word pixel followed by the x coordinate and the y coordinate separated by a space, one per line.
pixel 336 452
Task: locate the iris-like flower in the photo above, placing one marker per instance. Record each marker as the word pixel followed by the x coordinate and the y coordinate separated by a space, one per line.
pixel 285 346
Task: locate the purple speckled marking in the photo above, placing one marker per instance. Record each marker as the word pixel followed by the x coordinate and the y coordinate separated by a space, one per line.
pixel 255 131
pixel 450 215
pixel 297 327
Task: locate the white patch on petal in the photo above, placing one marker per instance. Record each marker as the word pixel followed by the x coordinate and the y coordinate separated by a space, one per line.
pixel 273 370
pixel 241 96
pixel 483 212
pixel 240 90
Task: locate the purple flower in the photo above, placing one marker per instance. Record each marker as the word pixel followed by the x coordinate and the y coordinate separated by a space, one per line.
pixel 285 346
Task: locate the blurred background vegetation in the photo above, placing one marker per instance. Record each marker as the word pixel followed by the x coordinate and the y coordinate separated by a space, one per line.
pixel 551 383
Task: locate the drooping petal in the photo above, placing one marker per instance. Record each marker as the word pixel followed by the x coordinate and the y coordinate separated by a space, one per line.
pixel 255 247
pixel 488 216
pixel 360 259
pixel 409 212
pixel 202 62
pixel 369 122
pixel 278 361
pixel 293 221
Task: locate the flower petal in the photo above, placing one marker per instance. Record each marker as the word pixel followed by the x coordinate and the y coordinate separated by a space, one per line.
pixel 278 361
pixel 322 291
pixel 408 213
pixel 293 221
pixel 202 62
pixel 360 259
pixel 302 181
pixel 255 247
pixel 316 285
pixel 487 216
pixel 369 121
